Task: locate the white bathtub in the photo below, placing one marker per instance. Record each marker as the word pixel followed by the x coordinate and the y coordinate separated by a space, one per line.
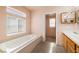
pixel 17 44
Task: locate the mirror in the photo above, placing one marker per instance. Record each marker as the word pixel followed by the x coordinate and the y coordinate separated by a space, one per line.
pixel 68 17
pixel 77 16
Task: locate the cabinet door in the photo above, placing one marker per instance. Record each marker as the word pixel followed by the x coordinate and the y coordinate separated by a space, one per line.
pixel 77 49
pixel 70 49
pixel 65 42
pixel 71 43
pixel 71 46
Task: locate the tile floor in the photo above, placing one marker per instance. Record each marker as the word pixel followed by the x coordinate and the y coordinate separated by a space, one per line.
pixel 48 47
pixel 51 39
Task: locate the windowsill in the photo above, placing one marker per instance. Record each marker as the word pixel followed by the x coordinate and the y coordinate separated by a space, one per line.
pixel 12 34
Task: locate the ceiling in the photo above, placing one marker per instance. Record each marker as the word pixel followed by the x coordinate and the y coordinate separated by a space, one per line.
pixel 36 8
pixel 50 8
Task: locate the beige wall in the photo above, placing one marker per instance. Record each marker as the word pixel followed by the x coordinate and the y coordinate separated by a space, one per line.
pixel 3 36
pixel 38 22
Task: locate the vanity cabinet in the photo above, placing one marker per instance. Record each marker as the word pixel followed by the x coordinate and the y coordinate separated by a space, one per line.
pixel 69 45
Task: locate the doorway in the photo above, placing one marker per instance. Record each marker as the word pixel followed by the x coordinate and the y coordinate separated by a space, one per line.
pixel 51 28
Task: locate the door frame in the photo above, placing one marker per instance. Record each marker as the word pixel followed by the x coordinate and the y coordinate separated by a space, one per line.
pixel 45 24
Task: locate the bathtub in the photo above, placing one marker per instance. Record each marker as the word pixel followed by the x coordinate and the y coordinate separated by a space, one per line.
pixel 15 45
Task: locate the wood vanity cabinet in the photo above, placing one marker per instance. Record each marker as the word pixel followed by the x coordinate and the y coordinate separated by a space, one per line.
pixel 69 45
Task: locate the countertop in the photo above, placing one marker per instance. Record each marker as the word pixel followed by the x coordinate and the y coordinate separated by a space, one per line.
pixel 74 37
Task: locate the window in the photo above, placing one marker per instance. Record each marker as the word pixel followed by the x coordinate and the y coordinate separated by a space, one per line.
pixel 21 25
pixel 12 25
pixel 15 24
pixel 52 22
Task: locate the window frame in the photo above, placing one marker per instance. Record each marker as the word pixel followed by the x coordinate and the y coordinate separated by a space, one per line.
pixel 10 12
pixel 17 20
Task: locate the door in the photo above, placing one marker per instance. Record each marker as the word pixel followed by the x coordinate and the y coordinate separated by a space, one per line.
pixel 51 26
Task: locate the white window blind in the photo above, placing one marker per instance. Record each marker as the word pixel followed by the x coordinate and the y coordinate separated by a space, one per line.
pixel 21 25
pixel 11 23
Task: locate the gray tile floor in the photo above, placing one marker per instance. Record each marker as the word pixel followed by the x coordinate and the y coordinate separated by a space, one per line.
pixel 51 39
pixel 48 47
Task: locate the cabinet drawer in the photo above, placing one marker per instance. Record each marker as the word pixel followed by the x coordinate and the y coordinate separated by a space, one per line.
pixel 71 44
pixel 77 49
